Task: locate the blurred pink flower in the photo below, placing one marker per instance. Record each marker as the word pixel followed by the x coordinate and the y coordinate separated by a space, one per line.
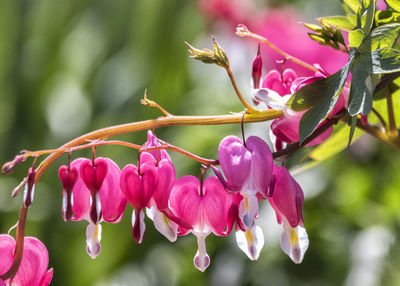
pixel 282 27
pixel 35 260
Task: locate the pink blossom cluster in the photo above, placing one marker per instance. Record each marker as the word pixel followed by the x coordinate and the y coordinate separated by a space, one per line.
pixel 276 89
pixel 97 190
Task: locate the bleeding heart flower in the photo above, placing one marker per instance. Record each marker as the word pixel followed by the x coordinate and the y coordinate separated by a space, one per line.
pixel 287 200
pixel 95 196
pixel 165 221
pixel 248 172
pixel 33 268
pixel 204 207
pixel 138 186
pixel 276 91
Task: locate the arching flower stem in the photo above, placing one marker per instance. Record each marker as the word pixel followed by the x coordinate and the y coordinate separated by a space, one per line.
pixel 105 133
pixel 243 31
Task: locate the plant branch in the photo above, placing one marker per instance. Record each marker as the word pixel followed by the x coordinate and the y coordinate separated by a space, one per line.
pixel 392 121
pixel 148 102
pixel 105 133
pixel 243 31
pixel 242 100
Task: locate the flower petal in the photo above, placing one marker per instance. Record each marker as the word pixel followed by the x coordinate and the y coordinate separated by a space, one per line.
pixel 235 161
pixel 166 179
pixel 201 259
pixel 7 245
pixel 163 224
pixel 34 263
pixel 138 225
pixel 215 205
pixel 80 195
pixel 185 199
pixel 251 241
pixel 294 242
pixel 112 200
pixel 248 209
pixel 287 198
pixel 262 164
pixel 93 237
pixel 152 141
pixel 93 173
pixel 139 188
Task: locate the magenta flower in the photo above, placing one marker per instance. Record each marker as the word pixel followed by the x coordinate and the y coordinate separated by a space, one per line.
pixel 205 208
pixel 248 171
pixel 33 268
pixel 138 186
pixel 159 211
pixel 276 91
pixel 287 200
pixel 95 195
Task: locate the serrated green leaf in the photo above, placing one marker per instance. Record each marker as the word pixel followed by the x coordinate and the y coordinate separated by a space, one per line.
pixel 354 5
pixel 334 144
pixel 384 36
pixel 386 17
pixel 394 4
pixel 355 38
pixel 321 96
pixel 347 23
pixel 385 61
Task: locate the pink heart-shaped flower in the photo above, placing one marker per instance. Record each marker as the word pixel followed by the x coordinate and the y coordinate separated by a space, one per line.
pixel 93 174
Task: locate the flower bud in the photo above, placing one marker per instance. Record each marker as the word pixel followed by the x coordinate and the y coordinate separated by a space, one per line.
pixel 29 187
pixel 8 167
pixel 257 69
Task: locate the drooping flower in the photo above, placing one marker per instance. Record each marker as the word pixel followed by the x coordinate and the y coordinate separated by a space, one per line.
pixel 248 172
pixel 138 185
pixel 159 211
pixel 205 207
pixel 287 201
pixel 276 91
pixel 33 268
pixel 91 190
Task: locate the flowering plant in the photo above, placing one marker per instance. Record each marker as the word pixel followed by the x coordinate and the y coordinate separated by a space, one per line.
pixel 228 192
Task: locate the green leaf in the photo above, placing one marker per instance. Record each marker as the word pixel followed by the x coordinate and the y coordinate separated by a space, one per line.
pixel 347 23
pixel 334 144
pixel 353 124
pixel 353 4
pixel 360 100
pixel 321 96
pixel 384 36
pixel 386 17
pixel 394 4
pixel 369 20
pixel 385 61
pixel 355 38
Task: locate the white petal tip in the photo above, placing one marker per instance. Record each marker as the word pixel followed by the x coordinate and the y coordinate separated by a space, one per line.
pixel 294 242
pixel 93 237
pixel 251 242
pixel 201 262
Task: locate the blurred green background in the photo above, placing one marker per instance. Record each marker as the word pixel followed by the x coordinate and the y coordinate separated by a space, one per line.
pixel 69 67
